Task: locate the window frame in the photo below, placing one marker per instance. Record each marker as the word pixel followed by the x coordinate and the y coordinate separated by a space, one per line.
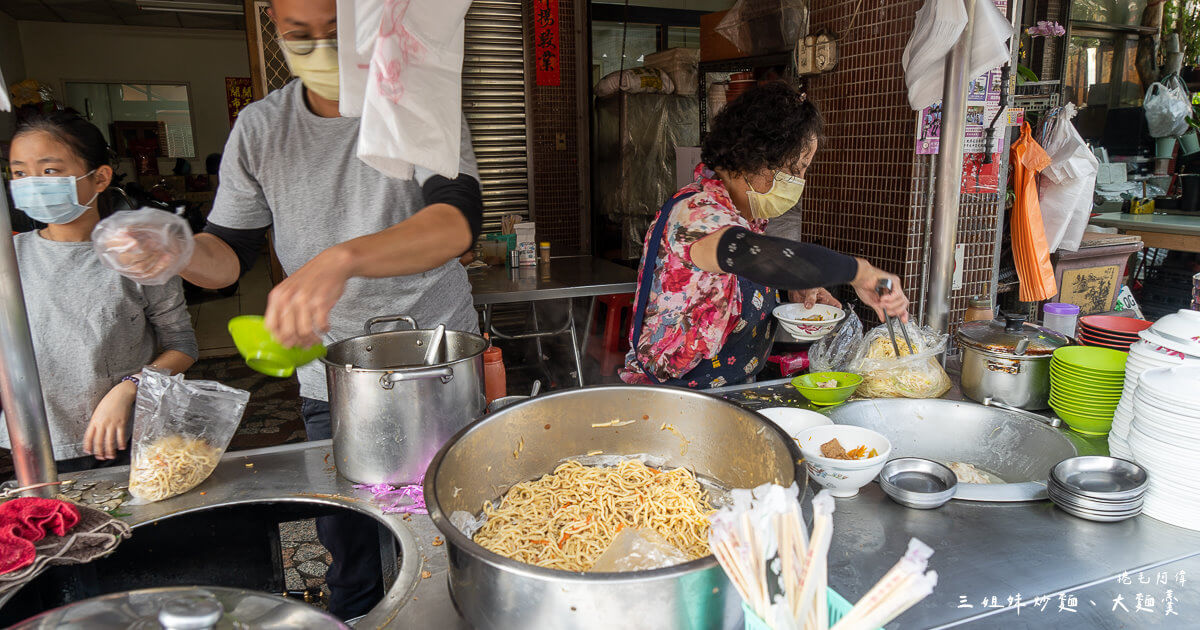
pixel 191 101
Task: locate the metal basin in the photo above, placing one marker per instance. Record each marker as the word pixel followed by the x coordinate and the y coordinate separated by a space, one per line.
pixel 1018 450
pixel 720 441
pixel 191 538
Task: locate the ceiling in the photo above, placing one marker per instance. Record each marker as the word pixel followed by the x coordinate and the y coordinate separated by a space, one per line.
pixel 117 12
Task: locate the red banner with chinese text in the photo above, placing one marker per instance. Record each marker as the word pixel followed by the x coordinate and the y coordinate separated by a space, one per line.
pixel 546 55
pixel 238 94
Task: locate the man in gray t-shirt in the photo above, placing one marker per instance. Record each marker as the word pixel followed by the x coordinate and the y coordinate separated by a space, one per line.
pixel 354 243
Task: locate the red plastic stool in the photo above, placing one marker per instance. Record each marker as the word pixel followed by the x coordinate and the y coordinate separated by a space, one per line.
pixel 610 346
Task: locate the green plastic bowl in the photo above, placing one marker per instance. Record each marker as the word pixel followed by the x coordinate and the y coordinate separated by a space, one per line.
pixel 1083 407
pixel 1086 424
pixel 1092 358
pixel 1084 375
pixel 1083 397
pixel 1087 387
pixel 806 384
pixel 263 354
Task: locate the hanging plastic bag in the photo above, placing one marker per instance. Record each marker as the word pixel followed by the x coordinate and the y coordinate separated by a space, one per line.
pixel 1066 187
pixel 1031 254
pixel 180 430
pixel 833 352
pixel 763 26
pixel 147 246
pixel 1168 106
pixel 909 375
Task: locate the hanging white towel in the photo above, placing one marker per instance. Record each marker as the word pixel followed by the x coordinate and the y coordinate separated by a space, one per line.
pixel 939 24
pixel 411 89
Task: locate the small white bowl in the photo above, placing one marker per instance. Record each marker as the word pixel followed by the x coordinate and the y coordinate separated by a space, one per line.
pixel 1182 327
pixel 795 421
pixel 791 319
pixel 843 477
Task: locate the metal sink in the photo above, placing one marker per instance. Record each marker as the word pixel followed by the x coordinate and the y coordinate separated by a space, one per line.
pixel 257 489
pixel 1018 450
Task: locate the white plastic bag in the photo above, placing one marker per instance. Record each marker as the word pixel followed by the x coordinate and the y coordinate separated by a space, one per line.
pixel 834 351
pixel 918 375
pixel 1066 187
pixel 180 430
pixel 635 81
pixel 147 246
pixel 1168 106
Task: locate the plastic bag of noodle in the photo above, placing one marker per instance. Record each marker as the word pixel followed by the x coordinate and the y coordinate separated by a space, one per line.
pixel 910 375
pixel 180 430
pixel 833 352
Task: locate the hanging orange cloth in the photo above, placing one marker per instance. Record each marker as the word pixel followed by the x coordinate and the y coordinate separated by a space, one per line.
pixel 1030 251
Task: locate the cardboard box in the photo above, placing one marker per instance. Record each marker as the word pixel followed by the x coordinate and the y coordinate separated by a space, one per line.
pixel 713 45
pixel 686 159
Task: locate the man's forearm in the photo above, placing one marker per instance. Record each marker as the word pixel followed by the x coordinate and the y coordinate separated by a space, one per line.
pixel 214 264
pixel 427 240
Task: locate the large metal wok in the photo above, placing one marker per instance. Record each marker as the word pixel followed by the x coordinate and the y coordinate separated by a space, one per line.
pixel 721 442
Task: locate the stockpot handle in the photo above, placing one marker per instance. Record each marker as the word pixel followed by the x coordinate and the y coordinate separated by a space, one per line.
pixel 389 318
pixel 389 380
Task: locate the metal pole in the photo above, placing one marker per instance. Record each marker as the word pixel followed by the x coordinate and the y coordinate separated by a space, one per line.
pixel 949 178
pixel 20 387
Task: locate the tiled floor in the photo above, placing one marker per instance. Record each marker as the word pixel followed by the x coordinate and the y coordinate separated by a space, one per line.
pixel 210 316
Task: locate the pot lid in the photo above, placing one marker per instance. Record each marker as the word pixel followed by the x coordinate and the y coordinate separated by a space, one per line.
pixel 1011 336
pixel 184 608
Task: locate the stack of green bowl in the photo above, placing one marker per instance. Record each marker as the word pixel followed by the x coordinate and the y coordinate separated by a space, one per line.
pixel 1085 386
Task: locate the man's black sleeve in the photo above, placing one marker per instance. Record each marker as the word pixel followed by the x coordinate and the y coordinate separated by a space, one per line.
pixel 245 243
pixel 781 263
pixel 463 193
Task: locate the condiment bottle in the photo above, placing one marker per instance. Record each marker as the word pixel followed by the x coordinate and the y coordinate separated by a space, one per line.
pixel 495 382
pixel 544 251
pixel 980 310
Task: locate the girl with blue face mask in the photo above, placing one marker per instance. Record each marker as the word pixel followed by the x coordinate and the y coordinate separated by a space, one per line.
pixel 93 330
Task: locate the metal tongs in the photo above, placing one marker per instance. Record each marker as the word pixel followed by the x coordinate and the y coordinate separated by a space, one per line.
pixel 883 287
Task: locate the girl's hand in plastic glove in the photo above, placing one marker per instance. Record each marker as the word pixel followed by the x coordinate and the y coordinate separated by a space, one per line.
pixel 812 297
pixel 894 303
pixel 298 309
pixel 107 431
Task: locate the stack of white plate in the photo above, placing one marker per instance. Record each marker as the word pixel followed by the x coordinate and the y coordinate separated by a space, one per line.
pixel 1172 340
pixel 1164 438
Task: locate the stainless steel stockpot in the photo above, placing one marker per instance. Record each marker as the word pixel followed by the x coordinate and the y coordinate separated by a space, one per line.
pixel 389 410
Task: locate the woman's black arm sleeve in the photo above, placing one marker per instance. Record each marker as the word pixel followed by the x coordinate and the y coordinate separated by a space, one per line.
pixel 780 263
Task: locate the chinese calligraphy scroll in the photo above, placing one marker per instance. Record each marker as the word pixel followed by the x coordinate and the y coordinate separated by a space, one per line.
pixel 237 96
pixel 546 54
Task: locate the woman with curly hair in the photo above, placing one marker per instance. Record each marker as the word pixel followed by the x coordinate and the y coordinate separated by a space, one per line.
pixel 709 278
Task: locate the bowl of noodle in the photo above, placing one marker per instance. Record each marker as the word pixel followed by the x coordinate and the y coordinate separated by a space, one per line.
pixel 530 497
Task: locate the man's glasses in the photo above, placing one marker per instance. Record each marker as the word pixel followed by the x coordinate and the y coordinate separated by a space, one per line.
pixel 300 44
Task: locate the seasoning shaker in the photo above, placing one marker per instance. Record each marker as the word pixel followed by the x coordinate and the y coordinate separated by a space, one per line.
pixel 544 251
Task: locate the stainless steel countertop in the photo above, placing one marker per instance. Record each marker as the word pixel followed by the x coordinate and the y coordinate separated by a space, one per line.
pixel 564 277
pixel 982 549
pixel 1188 225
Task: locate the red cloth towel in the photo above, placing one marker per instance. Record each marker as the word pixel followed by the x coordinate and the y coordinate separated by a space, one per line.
pixel 26 521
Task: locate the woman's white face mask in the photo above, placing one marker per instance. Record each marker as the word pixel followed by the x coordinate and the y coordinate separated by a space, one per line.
pixel 783 195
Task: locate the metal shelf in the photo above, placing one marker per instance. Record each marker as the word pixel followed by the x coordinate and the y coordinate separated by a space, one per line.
pixel 738 64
